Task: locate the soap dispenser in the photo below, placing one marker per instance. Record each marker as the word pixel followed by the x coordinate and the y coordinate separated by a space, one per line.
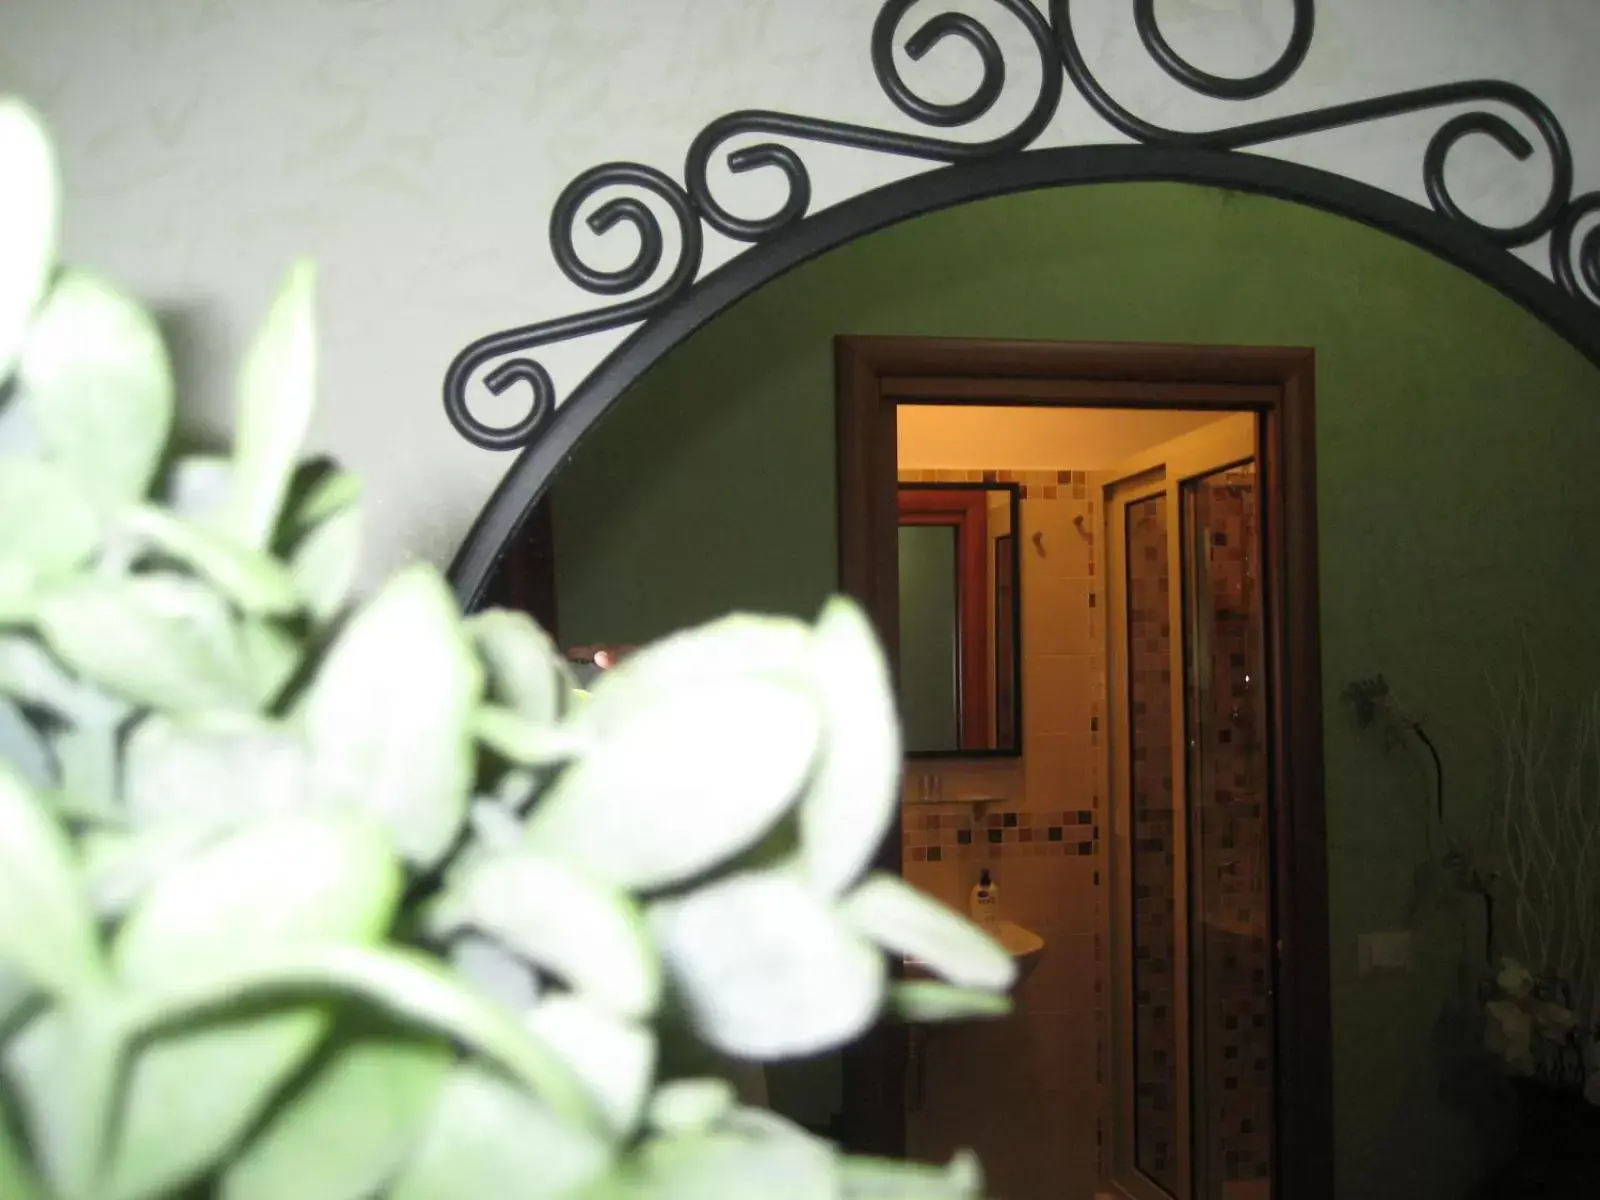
pixel 985 903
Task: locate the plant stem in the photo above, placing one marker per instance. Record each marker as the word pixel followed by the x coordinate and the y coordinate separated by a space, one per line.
pixel 1438 768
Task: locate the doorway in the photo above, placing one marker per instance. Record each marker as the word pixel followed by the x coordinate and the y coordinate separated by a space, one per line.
pixel 1209 1055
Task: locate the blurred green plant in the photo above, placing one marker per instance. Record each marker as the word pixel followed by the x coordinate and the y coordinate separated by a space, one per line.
pixel 307 898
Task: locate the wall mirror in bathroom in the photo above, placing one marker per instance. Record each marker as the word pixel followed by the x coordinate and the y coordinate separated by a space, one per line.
pixel 960 620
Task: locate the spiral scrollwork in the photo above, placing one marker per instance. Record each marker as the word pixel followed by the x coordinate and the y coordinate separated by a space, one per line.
pixel 946 26
pixel 512 345
pixel 1220 87
pixel 1575 259
pixel 1577 267
pixel 1257 133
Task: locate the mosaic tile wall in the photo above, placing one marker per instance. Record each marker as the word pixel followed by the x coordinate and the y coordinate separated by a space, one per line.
pixel 945 844
pixel 1036 485
pixel 1041 1136
pixel 1231 860
pixel 999 836
pixel 1155 1046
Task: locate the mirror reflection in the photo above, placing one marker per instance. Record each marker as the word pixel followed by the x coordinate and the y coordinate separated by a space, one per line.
pixel 959 644
pixel 1145 1043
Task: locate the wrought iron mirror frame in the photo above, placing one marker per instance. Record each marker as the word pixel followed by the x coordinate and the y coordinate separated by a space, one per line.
pixel 684 302
pixel 1568 301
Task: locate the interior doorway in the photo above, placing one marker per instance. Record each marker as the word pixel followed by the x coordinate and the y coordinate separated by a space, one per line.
pixel 1198 1069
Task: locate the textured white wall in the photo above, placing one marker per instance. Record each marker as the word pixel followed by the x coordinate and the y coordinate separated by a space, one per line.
pixel 415 148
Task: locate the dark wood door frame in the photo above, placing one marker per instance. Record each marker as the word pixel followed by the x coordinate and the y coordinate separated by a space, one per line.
pixel 965 512
pixel 873 376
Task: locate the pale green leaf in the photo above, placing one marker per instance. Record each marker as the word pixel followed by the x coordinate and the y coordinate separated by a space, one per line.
pixel 198 488
pixel 690 1105
pixel 47 523
pixel 495 828
pixel 489 1138
pixel 161 641
pixel 732 647
pixel 17 1178
pixel 28 213
pixel 253 580
pixel 120 865
pixel 88 758
pixel 683 777
pixel 723 1165
pixel 28 673
pixel 17 594
pixel 905 921
pixel 527 743
pixel 284 885
pixel 98 388
pixel 404 984
pixel 563 921
pixel 46 932
pixel 388 717
pixel 852 798
pixel 325 563
pixel 292 880
pixel 324 492
pixel 612 1057
pixel 342 1134
pixel 879 1179
pixel 525 672
pixel 494 971
pixel 212 768
pixel 269 656
pixel 277 389
pixel 15 993
pixel 920 1002
pixel 515 789
pixel 765 969
pixel 24 749
pixel 195 1090
pixel 62 1068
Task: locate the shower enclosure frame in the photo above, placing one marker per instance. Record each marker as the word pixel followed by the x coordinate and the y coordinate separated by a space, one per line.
pixel 876 374
pixel 1168 473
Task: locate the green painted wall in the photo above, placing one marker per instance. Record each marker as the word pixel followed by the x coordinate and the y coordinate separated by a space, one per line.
pixel 1456 439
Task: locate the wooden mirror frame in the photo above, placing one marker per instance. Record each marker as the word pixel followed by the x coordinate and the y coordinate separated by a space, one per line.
pixel 962 505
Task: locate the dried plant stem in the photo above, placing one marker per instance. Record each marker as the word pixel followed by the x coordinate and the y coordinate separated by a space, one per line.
pixel 1547 823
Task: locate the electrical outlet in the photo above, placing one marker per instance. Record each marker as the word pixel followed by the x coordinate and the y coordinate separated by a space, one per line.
pixel 1385 953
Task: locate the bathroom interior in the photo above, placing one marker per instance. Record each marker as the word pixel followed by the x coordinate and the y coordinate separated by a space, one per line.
pixel 1042 793
pixel 712 486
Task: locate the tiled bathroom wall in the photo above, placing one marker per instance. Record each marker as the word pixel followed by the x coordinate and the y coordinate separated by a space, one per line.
pixel 1228 827
pixel 1025 1092
pixel 1028 1093
pixel 1232 894
pixel 1153 868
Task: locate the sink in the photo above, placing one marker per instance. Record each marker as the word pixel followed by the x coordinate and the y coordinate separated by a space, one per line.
pixel 1020 943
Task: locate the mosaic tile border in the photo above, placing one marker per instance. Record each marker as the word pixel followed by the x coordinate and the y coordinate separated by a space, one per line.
pixel 1013 833
pixel 1035 485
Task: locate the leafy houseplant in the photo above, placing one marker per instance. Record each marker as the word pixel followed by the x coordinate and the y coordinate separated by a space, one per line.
pixel 1375 706
pixel 1540 1004
pixel 1535 1033
pixel 304 898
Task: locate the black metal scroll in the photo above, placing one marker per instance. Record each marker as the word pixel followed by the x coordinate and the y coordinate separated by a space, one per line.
pixel 502 359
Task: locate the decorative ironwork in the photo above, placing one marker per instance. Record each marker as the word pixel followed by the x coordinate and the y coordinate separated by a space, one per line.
pixel 1575 261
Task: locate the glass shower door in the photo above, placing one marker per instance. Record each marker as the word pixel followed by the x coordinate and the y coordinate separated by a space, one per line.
pixel 1190 970
pixel 1229 862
